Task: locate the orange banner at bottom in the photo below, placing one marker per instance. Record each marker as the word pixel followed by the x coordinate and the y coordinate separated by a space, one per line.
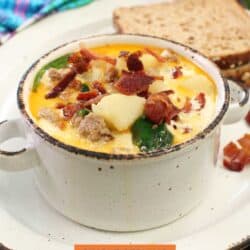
pixel 126 247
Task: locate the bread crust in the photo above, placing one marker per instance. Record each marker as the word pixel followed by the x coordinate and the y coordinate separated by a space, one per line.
pixel 240 73
pixel 232 61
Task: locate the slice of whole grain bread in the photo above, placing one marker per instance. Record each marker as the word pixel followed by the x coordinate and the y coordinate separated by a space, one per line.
pixel 220 29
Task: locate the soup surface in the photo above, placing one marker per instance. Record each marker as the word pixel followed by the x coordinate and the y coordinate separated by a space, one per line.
pixel 122 98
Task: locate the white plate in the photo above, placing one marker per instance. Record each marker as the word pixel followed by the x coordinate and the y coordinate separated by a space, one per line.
pixel 28 223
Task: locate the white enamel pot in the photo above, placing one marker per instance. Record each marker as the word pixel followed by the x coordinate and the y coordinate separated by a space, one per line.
pixel 120 192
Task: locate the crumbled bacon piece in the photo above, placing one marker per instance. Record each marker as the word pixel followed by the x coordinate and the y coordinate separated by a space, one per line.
pixel 187 106
pixel 60 105
pixel 245 143
pixel 235 157
pixel 144 94
pixel 80 60
pixel 177 72
pixel 87 104
pixel 160 78
pixel 155 110
pixel 99 87
pixel 85 96
pixel 133 82
pixel 201 99
pixel 159 58
pixel 88 55
pixel 158 107
pixel 70 109
pixel 248 118
pixel 80 64
pixel 133 61
pixel 62 84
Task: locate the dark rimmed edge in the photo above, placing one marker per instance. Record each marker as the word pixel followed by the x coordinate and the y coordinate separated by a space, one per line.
pixel 106 156
pixel 3 247
pixel 244 244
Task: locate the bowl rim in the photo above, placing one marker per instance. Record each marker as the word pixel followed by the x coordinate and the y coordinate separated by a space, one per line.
pixel 109 156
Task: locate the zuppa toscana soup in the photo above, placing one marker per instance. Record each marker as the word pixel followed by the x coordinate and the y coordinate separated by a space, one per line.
pixel 122 98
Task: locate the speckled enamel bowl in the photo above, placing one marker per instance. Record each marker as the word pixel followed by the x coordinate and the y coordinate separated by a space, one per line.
pixel 119 192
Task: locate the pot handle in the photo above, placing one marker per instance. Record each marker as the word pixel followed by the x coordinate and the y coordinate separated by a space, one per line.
pixel 239 102
pixel 22 159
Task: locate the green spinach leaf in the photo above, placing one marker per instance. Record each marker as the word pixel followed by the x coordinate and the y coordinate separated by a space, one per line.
pixel 149 136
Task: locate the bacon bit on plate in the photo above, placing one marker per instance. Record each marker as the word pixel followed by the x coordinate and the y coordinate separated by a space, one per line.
pixel 158 107
pixel 236 157
pixel 177 72
pixel 201 99
pixel 123 53
pixel 99 87
pixel 248 118
pixel 159 58
pixel 133 61
pixel 133 82
pixel 63 83
pixel 85 96
pixel 233 158
pixel 187 106
pixel 60 105
pixel 245 143
pixel 70 109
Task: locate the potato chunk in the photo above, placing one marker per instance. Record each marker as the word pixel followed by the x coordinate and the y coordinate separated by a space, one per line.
pixel 120 111
pixel 158 86
pixel 197 83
